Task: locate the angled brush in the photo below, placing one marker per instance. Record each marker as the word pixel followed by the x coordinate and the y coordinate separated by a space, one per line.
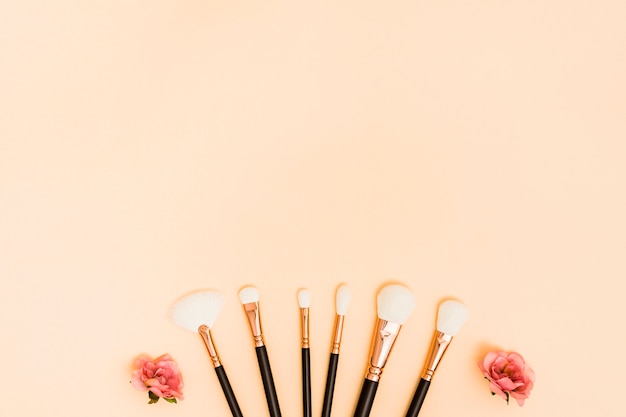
pixel 451 316
pixel 395 304
pixel 249 297
pixel 342 301
pixel 197 312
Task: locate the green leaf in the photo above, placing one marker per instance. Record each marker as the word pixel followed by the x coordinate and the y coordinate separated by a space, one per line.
pixel 507 398
pixel 170 400
pixel 153 397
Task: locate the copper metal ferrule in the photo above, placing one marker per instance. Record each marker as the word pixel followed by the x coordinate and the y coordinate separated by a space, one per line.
pixel 384 337
pixel 254 319
pixel 337 331
pixel 304 326
pixel 205 334
pixel 438 347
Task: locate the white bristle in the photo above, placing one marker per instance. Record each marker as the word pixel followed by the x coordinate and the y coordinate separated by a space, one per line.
pixel 342 300
pixel 395 303
pixel 196 308
pixel 304 298
pixel 249 295
pixel 451 317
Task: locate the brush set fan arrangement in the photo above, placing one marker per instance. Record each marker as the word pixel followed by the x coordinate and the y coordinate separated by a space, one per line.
pixel 198 310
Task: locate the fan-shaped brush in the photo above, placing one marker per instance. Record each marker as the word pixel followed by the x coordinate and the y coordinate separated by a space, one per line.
pixel 451 317
pixel 249 297
pixel 395 305
pixel 197 312
pixel 342 301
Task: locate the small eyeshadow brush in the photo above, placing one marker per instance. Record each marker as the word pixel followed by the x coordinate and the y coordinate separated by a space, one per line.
pixel 395 305
pixel 249 297
pixel 304 301
pixel 197 312
pixel 451 316
pixel 342 300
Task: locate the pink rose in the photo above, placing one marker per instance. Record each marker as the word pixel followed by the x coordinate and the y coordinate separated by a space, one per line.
pixel 160 377
pixel 508 375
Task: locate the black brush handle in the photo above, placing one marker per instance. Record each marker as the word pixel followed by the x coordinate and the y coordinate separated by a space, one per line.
pixel 330 384
pixel 228 392
pixel 366 399
pixel 268 381
pixel 418 398
pixel 306 382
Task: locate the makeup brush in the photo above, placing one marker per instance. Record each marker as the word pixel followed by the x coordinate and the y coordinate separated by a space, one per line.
pixel 450 318
pixel 304 301
pixel 395 305
pixel 342 300
pixel 197 312
pixel 249 297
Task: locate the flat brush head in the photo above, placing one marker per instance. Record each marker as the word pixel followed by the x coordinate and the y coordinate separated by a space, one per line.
pixel 451 317
pixel 248 295
pixel 342 300
pixel 196 308
pixel 304 298
pixel 395 303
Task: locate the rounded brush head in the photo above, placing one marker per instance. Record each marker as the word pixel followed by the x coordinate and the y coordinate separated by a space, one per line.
pixel 342 300
pixel 395 303
pixel 451 317
pixel 248 295
pixel 197 308
pixel 304 298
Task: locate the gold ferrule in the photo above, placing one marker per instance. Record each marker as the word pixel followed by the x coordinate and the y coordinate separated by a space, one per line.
pixel 304 326
pixel 384 337
pixel 254 319
pixel 438 347
pixel 205 334
pixel 337 334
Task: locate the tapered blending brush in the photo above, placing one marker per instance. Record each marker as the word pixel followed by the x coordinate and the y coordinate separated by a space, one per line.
pixel 451 316
pixel 249 297
pixel 342 300
pixel 197 312
pixel 395 304
pixel 304 301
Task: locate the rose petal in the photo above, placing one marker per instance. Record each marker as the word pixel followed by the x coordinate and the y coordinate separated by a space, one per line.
pixel 496 390
pixel 140 361
pixel 506 384
pixel 519 398
pixel 516 358
pixel 156 390
pixel 138 384
pixel 529 372
pixel 490 359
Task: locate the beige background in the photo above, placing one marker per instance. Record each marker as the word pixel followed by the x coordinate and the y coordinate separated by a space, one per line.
pixel 472 149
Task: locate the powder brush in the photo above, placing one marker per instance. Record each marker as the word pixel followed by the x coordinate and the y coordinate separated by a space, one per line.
pixel 395 303
pixel 451 316
pixel 197 312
